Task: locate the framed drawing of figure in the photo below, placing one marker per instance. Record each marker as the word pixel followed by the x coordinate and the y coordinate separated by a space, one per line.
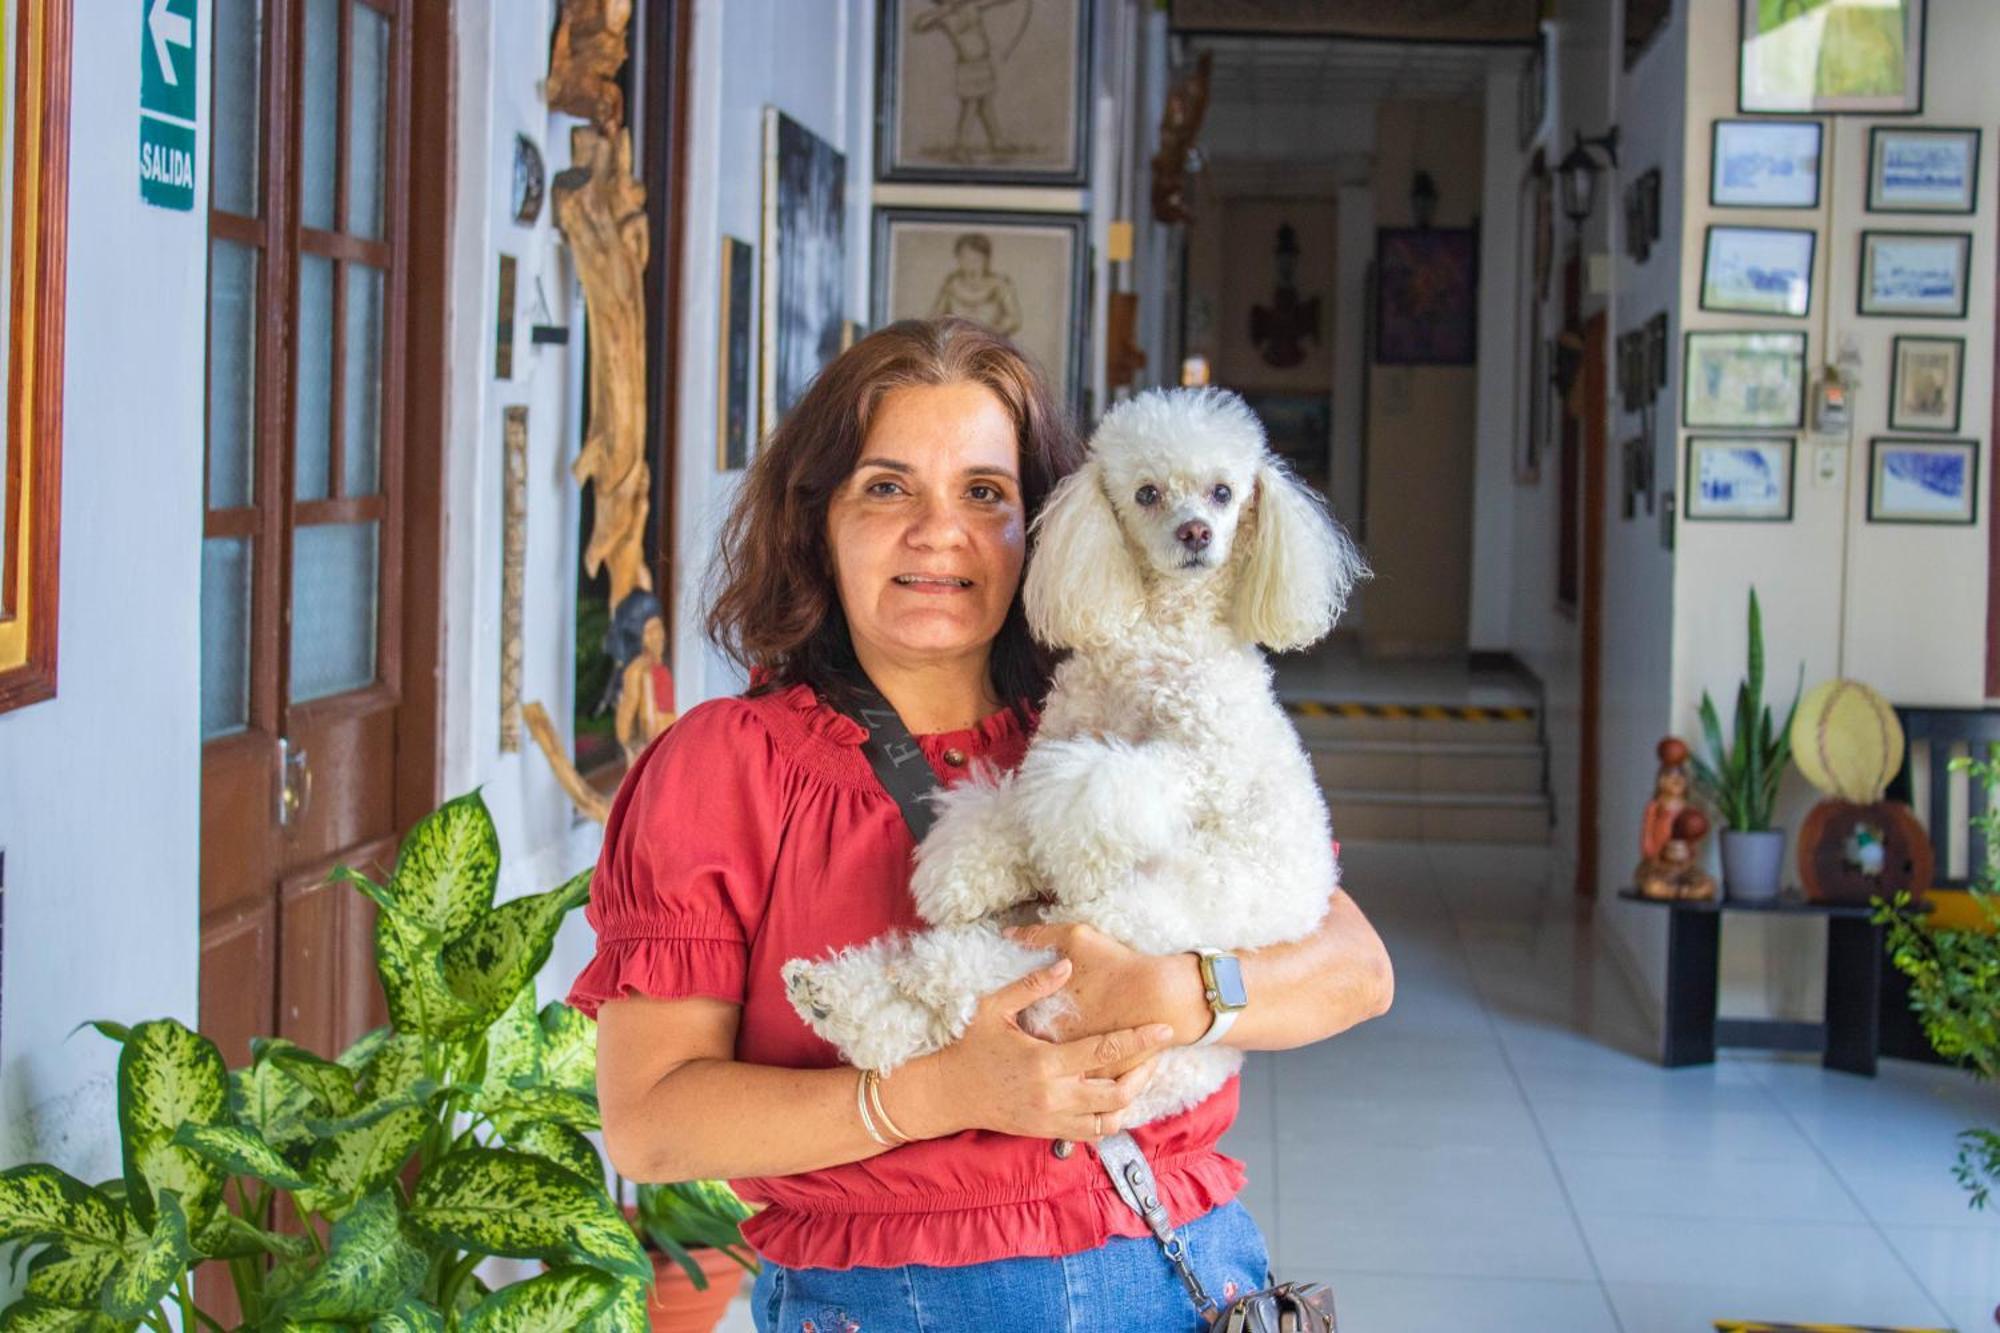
pixel 1020 274
pixel 983 90
pixel 36 57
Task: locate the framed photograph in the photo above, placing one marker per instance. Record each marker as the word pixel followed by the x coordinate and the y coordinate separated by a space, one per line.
pixel 805 261
pixel 1923 481
pixel 974 90
pixel 1656 348
pixel 1922 171
pixel 1929 372
pixel 1020 274
pixel 1917 274
pixel 1758 270
pixel 1744 381
pixel 1765 164
pixel 34 222
pixel 732 443
pixel 1806 57
pixel 1743 479
pixel 1427 296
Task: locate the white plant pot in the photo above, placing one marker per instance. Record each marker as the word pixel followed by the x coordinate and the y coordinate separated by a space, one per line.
pixel 1752 864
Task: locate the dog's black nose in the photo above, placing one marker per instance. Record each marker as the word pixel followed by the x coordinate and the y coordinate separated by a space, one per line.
pixel 1194 534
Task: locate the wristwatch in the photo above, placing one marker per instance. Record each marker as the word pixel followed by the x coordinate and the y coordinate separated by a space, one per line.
pixel 1222 986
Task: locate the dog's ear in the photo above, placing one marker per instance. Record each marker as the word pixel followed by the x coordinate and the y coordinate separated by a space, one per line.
pixel 1082 585
pixel 1298 567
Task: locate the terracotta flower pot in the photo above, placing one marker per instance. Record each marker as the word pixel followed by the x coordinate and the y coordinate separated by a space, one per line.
pixel 676 1307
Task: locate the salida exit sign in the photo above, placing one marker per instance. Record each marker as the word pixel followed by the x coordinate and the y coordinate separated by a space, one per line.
pixel 167 108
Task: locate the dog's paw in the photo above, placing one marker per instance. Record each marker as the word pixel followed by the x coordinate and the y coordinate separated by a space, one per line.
pixel 802 989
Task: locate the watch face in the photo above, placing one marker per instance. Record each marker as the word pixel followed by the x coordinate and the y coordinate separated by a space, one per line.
pixel 1228 974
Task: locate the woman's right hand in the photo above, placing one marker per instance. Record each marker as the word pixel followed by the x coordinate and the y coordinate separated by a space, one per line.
pixel 999 1077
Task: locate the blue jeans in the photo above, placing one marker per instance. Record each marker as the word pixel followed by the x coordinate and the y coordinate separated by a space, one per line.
pixel 1124 1283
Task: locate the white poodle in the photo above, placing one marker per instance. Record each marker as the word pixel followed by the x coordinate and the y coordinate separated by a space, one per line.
pixel 1166 799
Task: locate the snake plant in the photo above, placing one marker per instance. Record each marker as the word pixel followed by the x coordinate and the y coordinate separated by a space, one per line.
pixel 694 1213
pixel 452 1134
pixel 1741 779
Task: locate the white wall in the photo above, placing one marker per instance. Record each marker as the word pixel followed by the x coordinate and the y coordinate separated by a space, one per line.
pixel 98 807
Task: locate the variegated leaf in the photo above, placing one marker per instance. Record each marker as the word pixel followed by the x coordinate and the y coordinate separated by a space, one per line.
pixel 376 893
pixel 168 1077
pixel 410 1317
pixel 569 1048
pixel 358 1057
pixel 487 963
pixel 330 1083
pixel 561 1300
pixel 240 1152
pixel 151 1262
pixel 396 1068
pixel 624 1313
pixel 272 1104
pixel 40 1203
pixel 407 961
pixel 558 1143
pixel 358 1159
pixel 32 1314
pixel 418 1094
pixel 447 868
pixel 228 1236
pixel 537 1103
pixel 62 1277
pixel 500 1202
pixel 514 1042
pixel 370 1269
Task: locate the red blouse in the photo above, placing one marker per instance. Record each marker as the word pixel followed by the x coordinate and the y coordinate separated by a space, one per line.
pixel 754 832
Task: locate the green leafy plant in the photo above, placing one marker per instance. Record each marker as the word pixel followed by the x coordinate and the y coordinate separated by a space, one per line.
pixel 1955 980
pixel 698 1213
pixel 453 1134
pixel 1741 779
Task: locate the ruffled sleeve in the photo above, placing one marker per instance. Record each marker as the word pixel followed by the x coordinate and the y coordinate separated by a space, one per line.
pixel 685 872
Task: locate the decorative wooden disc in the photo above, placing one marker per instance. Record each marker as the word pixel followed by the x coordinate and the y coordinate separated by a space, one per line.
pixel 1826 867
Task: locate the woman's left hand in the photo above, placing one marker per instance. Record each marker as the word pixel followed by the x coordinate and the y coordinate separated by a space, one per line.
pixel 1115 987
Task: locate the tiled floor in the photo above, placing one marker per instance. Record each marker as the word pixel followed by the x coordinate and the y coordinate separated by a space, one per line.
pixel 1500 1153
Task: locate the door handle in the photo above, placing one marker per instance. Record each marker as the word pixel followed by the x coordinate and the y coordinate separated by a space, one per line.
pixel 294 782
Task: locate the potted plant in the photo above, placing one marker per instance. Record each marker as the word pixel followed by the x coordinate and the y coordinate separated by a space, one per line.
pixel 694 1233
pixel 1955 980
pixel 453 1134
pixel 1741 779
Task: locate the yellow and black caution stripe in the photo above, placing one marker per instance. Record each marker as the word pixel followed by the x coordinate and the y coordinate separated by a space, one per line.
pixel 1759 1326
pixel 1427 712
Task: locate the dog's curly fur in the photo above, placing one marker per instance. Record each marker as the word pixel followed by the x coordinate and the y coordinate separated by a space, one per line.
pixel 1166 799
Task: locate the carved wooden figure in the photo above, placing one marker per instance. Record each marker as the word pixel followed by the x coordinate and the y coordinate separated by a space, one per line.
pixel 589 50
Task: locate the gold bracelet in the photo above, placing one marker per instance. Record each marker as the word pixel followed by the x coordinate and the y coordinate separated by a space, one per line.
pixel 873 1080
pixel 861 1104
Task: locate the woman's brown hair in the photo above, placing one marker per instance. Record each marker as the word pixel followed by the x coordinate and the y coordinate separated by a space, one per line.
pixel 776 610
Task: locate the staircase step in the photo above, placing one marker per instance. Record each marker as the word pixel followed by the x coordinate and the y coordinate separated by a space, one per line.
pixel 1363 816
pixel 1320 719
pixel 1428 766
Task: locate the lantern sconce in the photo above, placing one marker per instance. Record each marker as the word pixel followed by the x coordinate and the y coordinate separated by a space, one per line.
pixel 1578 172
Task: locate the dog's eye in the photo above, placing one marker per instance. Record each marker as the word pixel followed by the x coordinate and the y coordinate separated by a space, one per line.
pixel 1220 495
pixel 1147 496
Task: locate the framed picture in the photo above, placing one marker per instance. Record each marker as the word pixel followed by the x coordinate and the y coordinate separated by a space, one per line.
pixel 805 261
pixel 1642 215
pixel 1811 56
pixel 1922 171
pixel 732 444
pixel 973 90
pixel 1765 164
pixel 1918 274
pixel 34 222
pixel 1656 348
pixel 1929 372
pixel 1758 270
pixel 1745 381
pixel 1923 481
pixel 1020 274
pixel 1427 296
pixel 1299 427
pixel 1643 21
pixel 1744 479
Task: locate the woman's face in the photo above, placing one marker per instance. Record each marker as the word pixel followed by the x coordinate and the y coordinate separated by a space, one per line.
pixel 929 531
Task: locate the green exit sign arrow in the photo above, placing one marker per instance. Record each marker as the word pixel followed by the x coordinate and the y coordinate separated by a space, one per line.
pixel 167 106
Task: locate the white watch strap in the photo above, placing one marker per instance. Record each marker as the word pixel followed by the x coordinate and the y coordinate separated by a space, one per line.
pixel 1217 1026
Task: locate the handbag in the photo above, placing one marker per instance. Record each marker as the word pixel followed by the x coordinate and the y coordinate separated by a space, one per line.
pixel 1287 1307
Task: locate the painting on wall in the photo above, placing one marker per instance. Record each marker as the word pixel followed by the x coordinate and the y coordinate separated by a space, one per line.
pixel 805 261
pixel 984 90
pixel 1922 171
pixel 1746 479
pixel 1815 56
pixel 1923 481
pixel 732 444
pixel 1019 274
pixel 1758 270
pixel 1916 274
pixel 1765 164
pixel 1928 374
pixel 34 50
pixel 1299 427
pixel 1744 381
pixel 1426 294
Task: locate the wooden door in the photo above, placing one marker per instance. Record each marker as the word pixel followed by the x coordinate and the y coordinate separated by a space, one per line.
pixel 303 580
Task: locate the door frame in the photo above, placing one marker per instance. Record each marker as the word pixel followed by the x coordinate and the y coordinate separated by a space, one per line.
pixel 1591 463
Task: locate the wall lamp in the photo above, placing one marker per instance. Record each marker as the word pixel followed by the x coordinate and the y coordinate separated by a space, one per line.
pixel 1578 173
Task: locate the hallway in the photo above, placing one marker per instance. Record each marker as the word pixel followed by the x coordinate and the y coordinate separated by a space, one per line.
pixel 1501 1152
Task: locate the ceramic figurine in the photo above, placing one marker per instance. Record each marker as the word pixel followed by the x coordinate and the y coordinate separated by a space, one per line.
pixel 1670 792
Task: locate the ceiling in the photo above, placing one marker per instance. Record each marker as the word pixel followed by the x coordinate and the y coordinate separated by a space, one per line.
pixel 1289 71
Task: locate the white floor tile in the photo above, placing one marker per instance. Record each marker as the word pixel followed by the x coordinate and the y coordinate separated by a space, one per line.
pixel 1632 1185
pixel 1959 1267
pixel 1393 1303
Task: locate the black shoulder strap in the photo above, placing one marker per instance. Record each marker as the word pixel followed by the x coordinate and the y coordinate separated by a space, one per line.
pixel 894 754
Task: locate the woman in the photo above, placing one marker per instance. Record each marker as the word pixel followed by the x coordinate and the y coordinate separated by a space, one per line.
pixel 882 531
